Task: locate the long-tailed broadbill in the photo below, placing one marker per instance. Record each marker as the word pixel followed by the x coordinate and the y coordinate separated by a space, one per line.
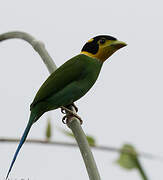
pixel 70 81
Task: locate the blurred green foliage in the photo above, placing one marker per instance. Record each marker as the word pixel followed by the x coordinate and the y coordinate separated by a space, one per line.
pixel 127 157
pixel 48 132
pixel 91 140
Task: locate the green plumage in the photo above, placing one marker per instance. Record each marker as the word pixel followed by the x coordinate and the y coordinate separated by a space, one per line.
pixel 67 84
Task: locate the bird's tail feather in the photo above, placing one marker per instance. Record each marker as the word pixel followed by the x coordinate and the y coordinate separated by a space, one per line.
pixel 28 127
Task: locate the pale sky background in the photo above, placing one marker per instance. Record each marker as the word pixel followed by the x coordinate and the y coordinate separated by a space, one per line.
pixel 125 105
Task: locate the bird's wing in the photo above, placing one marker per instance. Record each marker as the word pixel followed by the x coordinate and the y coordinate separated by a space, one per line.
pixel 64 75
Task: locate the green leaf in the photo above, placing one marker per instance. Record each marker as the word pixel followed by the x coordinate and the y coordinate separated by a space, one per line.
pixel 127 158
pixel 67 133
pixel 91 140
pixel 48 130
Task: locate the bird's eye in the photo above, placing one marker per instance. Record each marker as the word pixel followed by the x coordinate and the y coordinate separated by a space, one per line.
pixel 102 41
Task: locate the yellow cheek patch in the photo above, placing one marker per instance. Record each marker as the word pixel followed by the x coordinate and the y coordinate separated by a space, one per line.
pixel 104 51
pixel 100 55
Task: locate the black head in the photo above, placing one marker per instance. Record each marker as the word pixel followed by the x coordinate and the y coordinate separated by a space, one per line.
pixel 101 47
pixel 92 45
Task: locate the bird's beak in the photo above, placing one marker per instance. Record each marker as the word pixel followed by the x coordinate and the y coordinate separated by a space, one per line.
pixel 118 44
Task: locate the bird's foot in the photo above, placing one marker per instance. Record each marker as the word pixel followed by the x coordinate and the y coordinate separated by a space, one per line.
pixel 69 107
pixel 70 114
pixel 75 107
pixel 66 118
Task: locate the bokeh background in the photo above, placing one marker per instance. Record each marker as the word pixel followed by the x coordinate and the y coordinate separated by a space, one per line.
pixel 125 105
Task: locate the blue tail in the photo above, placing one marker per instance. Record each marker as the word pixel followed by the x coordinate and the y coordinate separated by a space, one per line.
pixel 31 121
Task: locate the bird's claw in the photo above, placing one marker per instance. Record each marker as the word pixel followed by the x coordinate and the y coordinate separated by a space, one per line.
pixel 66 118
pixel 75 107
pixel 70 114
pixel 63 111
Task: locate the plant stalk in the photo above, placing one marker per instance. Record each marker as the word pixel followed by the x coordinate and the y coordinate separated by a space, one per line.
pixel 140 169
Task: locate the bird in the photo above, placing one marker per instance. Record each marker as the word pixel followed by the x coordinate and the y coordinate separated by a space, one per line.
pixel 70 81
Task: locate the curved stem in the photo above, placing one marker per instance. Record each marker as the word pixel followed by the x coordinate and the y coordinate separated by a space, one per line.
pixel 37 45
pixel 74 124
